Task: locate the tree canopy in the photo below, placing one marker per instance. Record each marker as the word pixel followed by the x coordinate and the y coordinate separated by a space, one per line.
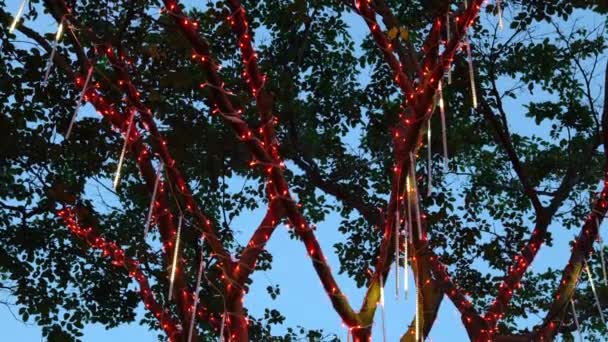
pixel 525 170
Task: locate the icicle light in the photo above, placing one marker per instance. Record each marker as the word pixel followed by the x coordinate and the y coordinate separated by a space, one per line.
pixel 448 38
pixel 410 227
pixel 175 253
pixel 601 252
pixel 49 62
pixel 79 102
pixel 223 325
pixel 198 289
pixel 382 308
pixel 151 207
pixel 417 317
pixel 396 232
pixel 597 299
pixel 429 167
pixel 576 324
pixel 123 152
pixel 444 138
pixel 501 24
pixel 405 263
pixel 17 16
pixel 415 194
pixel 471 72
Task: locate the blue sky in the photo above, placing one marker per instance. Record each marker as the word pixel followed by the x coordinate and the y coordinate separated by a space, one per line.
pixel 303 300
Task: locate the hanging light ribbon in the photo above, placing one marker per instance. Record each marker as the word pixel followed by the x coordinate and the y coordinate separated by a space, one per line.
pixel 175 253
pixel 597 299
pixel 467 44
pixel 151 207
pixel 198 289
pixel 410 227
pixel 223 325
pixel 444 138
pixel 124 150
pixel 429 153
pixel 578 329
pixel 415 194
pixel 49 62
pixel 501 24
pixel 405 263
pixel 397 256
pixel 601 252
pixel 17 16
pixel 417 317
pixel 382 308
pixel 448 38
pixel 79 102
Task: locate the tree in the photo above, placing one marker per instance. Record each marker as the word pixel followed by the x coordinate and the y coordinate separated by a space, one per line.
pixel 283 113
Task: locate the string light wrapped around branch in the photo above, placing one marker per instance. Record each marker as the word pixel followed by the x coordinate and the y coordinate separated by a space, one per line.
pixel 49 62
pixel 112 250
pixel 17 16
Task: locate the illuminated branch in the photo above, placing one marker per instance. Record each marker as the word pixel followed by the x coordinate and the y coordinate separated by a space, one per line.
pixel 407 54
pixel 64 65
pixel 400 78
pixel 161 148
pixel 232 116
pixel 164 216
pixel 523 261
pixel 257 242
pixel 407 136
pixel 583 245
pixel 73 218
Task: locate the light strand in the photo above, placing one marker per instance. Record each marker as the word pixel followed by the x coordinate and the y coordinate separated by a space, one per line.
pixel 79 102
pixel 223 324
pixel 396 232
pixel 410 227
pixel 429 185
pixel 175 253
pixel 601 252
pixel 123 152
pixel 382 308
pixel 198 288
pixel 417 317
pixel 576 324
pixel 49 62
pixel 151 207
pixel 444 138
pixel 405 263
pixel 415 194
pixel 448 38
pixel 17 16
pixel 471 72
pixel 597 299
pixel 501 24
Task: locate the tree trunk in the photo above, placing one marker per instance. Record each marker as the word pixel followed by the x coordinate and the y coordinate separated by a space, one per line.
pixel 237 327
pixel 361 334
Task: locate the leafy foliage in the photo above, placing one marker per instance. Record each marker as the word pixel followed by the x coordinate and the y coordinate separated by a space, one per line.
pixel 336 103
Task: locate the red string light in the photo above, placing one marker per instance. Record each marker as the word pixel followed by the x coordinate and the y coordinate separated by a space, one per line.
pixel 117 255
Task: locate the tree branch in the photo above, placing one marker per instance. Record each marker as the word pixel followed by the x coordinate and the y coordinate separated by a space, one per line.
pixel 74 218
pixel 504 138
pixel 232 117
